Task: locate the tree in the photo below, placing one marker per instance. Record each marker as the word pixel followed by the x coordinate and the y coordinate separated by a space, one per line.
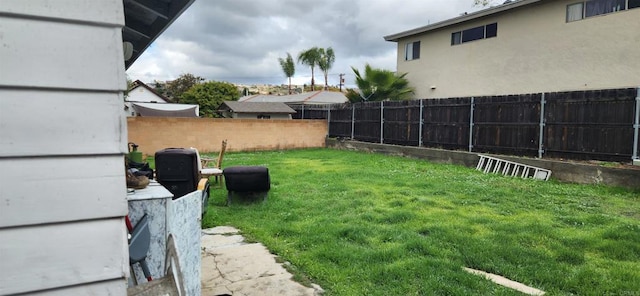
pixel 160 87
pixel 289 68
pixel 482 3
pixel 310 57
pixel 327 57
pixel 176 88
pixel 209 96
pixel 130 85
pixel 379 85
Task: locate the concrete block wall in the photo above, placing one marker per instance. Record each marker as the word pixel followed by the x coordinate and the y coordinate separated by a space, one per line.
pixel 561 170
pixel 206 134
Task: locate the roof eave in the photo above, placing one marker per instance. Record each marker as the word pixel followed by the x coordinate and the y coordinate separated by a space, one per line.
pixel 460 19
pixel 154 30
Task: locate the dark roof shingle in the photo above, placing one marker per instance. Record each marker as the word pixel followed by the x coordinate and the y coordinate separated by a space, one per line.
pixel 256 107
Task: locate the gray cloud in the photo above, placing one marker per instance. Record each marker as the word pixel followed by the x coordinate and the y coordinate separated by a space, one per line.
pixel 240 40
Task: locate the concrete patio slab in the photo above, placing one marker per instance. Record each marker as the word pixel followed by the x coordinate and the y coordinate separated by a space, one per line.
pixel 211 242
pixel 221 230
pixel 232 267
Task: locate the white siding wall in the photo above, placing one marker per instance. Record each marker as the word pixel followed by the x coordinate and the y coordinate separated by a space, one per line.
pixel 141 94
pixel 62 140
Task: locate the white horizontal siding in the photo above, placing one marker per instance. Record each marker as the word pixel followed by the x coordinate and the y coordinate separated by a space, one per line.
pixel 60 255
pixel 141 94
pixel 60 123
pixel 106 11
pixel 112 288
pixel 46 54
pixel 62 136
pixel 52 190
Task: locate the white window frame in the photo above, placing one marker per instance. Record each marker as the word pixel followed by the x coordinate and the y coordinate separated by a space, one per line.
pixel 460 40
pixel 575 12
pixel 409 53
pixel 573 16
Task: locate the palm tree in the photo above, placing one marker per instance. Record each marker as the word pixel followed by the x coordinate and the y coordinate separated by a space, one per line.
pixel 327 57
pixel 379 85
pixel 310 57
pixel 289 68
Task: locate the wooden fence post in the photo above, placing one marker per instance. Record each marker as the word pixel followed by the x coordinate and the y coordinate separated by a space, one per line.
pixel 541 139
pixel 421 123
pixel 636 128
pixel 353 119
pixel 328 120
pixel 471 124
pixel 381 122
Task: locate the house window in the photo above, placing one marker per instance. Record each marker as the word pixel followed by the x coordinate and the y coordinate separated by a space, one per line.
pixel 472 34
pixel 263 116
pixel 575 12
pixel 584 9
pixel 477 33
pixel 412 51
pixel 491 30
pixel 598 7
pixel 456 38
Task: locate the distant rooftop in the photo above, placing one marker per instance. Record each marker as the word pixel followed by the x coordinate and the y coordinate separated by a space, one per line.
pixel 256 107
pixel 314 97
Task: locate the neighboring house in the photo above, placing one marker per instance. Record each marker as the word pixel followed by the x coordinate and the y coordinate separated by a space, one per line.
pixel 320 97
pixel 255 110
pixel 525 46
pixel 63 138
pixel 143 100
pixel 142 93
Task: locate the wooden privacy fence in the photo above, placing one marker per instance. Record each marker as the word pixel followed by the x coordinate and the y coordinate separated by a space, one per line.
pixel 597 124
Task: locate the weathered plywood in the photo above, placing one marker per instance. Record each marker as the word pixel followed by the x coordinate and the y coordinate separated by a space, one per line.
pixel 61 123
pixel 47 54
pixel 156 209
pixel 108 12
pixel 61 255
pixel 51 190
pixel 184 223
pixel 116 287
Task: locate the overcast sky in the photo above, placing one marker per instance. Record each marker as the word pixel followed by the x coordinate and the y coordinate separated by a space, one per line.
pixel 240 41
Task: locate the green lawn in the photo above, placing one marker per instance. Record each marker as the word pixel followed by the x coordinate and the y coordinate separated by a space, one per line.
pixel 368 224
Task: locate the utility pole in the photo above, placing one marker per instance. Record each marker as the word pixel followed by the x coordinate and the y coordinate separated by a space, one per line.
pixel 341 81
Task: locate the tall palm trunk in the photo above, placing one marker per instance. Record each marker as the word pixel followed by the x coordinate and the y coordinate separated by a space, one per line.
pixel 326 81
pixel 325 61
pixel 312 80
pixel 288 66
pixel 310 57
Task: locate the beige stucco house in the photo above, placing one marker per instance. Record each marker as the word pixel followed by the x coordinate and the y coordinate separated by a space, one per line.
pixel 525 46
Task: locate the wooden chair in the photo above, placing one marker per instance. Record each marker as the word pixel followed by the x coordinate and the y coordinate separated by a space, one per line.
pixel 216 171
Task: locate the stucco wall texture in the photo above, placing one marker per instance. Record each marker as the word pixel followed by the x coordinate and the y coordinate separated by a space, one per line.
pixel 206 134
pixel 536 50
